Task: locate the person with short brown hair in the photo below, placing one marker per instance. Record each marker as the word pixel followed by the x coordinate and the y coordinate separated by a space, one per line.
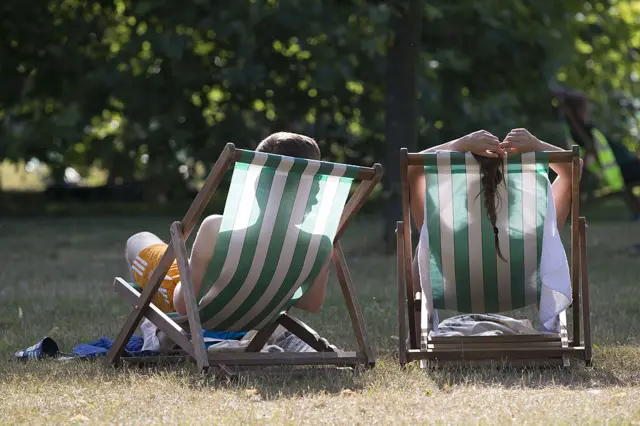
pixel 144 249
pixel 291 145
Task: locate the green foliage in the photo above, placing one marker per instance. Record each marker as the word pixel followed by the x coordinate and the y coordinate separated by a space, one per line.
pixel 145 88
pixel 606 64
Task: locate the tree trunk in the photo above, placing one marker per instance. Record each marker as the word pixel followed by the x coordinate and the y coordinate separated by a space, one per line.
pixel 401 106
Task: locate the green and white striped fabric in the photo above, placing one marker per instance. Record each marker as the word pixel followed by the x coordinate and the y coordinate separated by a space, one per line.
pixel 277 231
pixel 459 260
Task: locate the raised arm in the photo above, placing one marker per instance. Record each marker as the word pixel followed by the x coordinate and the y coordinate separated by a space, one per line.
pixel 520 140
pixel 484 143
pixel 479 142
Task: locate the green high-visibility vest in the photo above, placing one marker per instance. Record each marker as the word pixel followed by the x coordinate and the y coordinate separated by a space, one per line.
pixel 603 164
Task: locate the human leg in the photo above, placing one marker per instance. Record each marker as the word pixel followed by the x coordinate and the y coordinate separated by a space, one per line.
pixel 143 253
pixel 138 242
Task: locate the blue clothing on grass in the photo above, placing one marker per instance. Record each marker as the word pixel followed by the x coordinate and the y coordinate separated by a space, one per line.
pixel 134 347
pixel 47 347
pixel 101 347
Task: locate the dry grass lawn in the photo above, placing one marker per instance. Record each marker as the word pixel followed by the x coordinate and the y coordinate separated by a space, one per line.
pixel 58 274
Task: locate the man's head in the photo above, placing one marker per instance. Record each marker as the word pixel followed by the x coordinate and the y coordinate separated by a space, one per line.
pixel 291 145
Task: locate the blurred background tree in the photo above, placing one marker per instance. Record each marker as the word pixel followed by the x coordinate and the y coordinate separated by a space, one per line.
pixel 150 90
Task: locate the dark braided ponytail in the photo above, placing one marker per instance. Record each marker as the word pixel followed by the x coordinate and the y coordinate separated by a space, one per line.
pixel 492 171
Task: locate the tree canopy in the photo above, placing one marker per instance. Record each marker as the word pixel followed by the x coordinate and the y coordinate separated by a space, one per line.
pixel 146 88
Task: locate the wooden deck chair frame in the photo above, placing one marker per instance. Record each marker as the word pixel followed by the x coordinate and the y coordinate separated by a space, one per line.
pixel 195 348
pixel 518 349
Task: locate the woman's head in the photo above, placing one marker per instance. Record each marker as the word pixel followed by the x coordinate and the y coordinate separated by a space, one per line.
pixel 492 175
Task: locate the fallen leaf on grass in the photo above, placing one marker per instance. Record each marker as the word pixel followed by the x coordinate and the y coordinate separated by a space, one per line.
pixel 348 392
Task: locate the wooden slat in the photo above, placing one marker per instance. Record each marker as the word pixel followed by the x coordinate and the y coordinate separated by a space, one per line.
pixel 575 249
pixel 365 173
pixel 513 352
pixel 416 159
pixel 414 333
pixel 193 214
pixel 305 333
pixel 191 302
pixel 473 346
pixel 260 339
pixel 519 338
pixel 511 363
pixel 155 315
pixel 402 326
pixel 214 178
pixel 357 200
pixel 287 358
pixel 584 278
pixel 351 301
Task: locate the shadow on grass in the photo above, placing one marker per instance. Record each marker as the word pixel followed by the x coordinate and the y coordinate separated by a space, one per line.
pixel 612 368
pixel 270 383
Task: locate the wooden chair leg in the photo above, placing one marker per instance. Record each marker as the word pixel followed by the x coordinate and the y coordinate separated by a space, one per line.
pixel 586 318
pixel 195 211
pixel 417 315
pixel 262 336
pixel 349 293
pixel 575 255
pixel 156 316
pixel 402 327
pixel 195 327
pixel 305 333
pixel 141 305
pixel 564 338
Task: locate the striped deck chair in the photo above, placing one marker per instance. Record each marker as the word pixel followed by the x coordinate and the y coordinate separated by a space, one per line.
pixel 281 223
pixel 456 267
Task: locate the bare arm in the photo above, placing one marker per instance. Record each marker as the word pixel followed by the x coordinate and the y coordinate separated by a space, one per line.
pixel 201 255
pixel 480 142
pixel 313 298
pixel 415 175
pixel 520 140
pixel 484 143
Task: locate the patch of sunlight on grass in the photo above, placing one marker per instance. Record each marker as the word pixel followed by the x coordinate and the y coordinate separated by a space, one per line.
pixel 14 176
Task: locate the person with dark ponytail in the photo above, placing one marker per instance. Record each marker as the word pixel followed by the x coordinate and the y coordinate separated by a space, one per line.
pixel 489 151
pixel 492 171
